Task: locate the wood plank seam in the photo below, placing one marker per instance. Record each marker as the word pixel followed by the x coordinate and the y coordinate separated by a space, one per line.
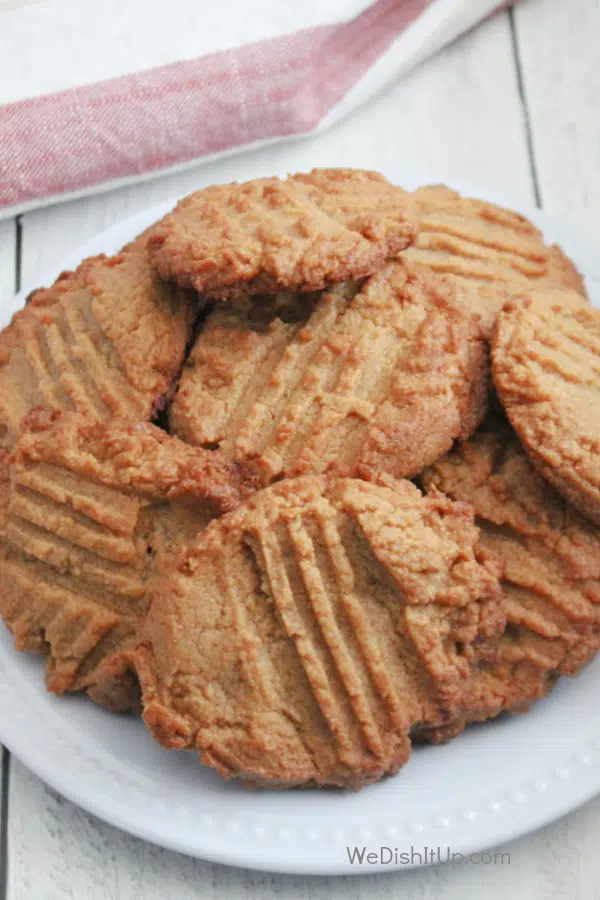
pixel 18 249
pixel 527 124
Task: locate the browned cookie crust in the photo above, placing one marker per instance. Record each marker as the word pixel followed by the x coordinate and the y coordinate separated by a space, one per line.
pixel 488 252
pixel 371 378
pixel 550 557
pixel 89 510
pixel 299 639
pixel 546 363
pixel 107 340
pixel 304 233
pixel 10 336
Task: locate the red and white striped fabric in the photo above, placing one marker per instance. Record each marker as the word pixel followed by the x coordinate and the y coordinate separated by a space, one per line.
pixel 95 95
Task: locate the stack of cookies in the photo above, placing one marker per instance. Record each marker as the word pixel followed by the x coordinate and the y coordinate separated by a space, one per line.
pixel 306 473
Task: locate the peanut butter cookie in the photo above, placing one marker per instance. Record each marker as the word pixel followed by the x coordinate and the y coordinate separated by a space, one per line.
pixel 300 638
pixel 89 511
pixel 303 233
pixel 490 253
pixel 550 576
pixel 546 365
pixel 366 378
pixel 106 340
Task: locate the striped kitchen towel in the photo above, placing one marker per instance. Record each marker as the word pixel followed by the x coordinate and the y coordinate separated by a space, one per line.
pixel 96 95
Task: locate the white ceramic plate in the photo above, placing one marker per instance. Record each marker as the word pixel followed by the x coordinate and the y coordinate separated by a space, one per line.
pixel 491 784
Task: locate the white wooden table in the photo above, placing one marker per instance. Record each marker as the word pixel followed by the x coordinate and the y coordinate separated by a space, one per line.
pixel 513 107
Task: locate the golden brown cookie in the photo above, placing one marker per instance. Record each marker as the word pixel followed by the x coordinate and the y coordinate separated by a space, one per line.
pixel 9 339
pixel 360 380
pixel 304 233
pixel 4 487
pixel 550 557
pixel 300 638
pixel 490 253
pixel 106 340
pixel 546 363
pixel 90 509
pixel 10 335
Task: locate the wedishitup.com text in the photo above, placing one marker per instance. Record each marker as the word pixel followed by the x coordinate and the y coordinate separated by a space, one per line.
pixel 422 856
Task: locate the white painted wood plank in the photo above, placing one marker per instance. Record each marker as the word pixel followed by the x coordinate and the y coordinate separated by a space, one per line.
pixel 560 60
pixel 459 117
